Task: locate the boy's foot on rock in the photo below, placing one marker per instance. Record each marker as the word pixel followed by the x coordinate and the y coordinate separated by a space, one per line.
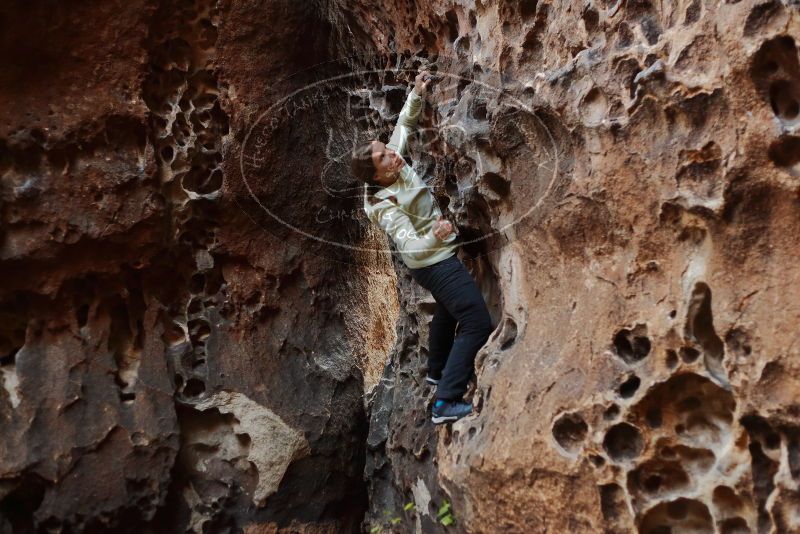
pixel 445 411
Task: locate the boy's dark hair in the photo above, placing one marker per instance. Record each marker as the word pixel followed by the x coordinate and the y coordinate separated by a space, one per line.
pixel 363 168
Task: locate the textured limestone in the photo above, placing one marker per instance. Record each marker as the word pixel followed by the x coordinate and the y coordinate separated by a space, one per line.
pixel 273 443
pixel 626 173
pixel 642 376
pixel 155 328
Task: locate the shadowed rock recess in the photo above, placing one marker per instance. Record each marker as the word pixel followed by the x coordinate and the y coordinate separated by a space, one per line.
pixel 626 176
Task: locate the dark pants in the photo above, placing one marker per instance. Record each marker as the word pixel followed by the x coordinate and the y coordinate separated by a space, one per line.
pixel 458 301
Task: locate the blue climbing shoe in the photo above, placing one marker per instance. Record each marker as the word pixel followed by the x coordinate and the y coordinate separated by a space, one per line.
pixel 445 411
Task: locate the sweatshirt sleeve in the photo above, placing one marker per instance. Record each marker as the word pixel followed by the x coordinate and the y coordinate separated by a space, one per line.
pixel 408 118
pixel 409 115
pixel 405 236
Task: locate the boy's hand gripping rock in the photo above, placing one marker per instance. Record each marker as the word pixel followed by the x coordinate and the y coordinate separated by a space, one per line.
pixel 442 228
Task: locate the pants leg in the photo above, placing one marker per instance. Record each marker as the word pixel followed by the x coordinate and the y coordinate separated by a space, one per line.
pixel 440 340
pixel 452 286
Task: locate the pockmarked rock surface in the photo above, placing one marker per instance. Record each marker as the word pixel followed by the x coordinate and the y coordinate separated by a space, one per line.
pixel 169 361
pixel 643 374
pixel 176 357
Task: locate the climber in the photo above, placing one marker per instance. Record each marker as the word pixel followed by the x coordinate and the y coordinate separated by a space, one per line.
pixel 397 199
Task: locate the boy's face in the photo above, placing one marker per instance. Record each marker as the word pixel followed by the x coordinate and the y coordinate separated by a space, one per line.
pixel 387 162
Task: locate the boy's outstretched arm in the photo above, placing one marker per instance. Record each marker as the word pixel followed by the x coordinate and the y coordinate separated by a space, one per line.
pixel 409 115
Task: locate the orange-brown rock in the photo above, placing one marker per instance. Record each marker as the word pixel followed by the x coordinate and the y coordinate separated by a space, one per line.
pixel 201 332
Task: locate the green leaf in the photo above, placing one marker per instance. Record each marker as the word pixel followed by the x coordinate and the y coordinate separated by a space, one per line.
pixel 408 506
pixel 443 509
pixel 375 530
pixel 395 520
pixel 447 520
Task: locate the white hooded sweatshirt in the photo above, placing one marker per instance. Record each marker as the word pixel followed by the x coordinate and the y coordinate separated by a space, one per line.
pixel 407 210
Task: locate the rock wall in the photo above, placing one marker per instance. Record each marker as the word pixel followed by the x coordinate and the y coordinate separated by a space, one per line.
pixel 643 373
pixel 170 360
pixel 175 356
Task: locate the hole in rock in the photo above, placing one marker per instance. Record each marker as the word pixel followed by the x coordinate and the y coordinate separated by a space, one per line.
pixel 594 107
pixel 793 451
pixel 653 483
pixel 243 439
pixel 624 36
pixel 775 55
pixel 653 417
pixel 10 357
pixel 82 315
pixel 623 442
pixel 611 413
pixel 761 16
pixel 214 283
pixel 672 359
pixel 692 13
pixel 783 100
pixel 597 460
pixel 613 504
pixel 632 345
pixel 700 328
pixel 195 306
pixel 678 509
pixel 569 432
pixel 497 184
pixel 508 333
pixel 726 501
pixel 629 387
pixel 199 329
pixel 194 388
pixel 699 411
pixel 657 478
pixel 760 429
pixel 785 152
pixel 680 515
pixel 688 404
pixel 208 34
pixel 738 342
pixel 590 18
pixel 429 39
pixel 763 475
pixel 527 8
pixel 19 503
pixel 197 282
pixel 167 154
pixel 452 25
pixel 689 354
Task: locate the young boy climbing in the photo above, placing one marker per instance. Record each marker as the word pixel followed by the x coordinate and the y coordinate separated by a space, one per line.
pixel 397 199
